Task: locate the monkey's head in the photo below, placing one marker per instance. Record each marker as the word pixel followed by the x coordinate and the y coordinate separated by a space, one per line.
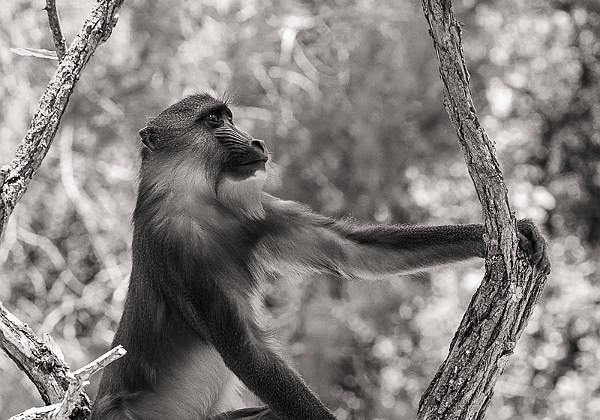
pixel 197 142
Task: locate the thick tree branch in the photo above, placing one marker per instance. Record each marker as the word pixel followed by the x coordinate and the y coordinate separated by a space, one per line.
pixel 501 307
pixel 33 356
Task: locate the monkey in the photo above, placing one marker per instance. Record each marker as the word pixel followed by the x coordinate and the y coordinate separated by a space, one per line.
pixel 207 239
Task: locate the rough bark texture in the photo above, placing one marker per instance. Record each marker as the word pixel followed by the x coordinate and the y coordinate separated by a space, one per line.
pixel 499 310
pixel 34 356
pixel 70 407
pixel 59 40
pixel 15 179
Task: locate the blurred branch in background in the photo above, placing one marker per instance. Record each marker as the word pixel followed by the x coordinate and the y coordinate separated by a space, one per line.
pixel 38 359
pixel 85 208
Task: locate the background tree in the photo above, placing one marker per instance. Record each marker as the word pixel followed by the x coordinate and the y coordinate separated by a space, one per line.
pixel 347 96
pixel 39 357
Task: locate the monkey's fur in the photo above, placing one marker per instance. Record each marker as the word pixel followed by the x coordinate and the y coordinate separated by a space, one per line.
pixel 206 241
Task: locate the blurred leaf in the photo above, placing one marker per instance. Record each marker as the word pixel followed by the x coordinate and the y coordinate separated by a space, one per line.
pixel 35 52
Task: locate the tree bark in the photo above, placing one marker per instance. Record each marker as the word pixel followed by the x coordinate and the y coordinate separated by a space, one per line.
pixel 15 179
pixel 499 310
pixel 36 357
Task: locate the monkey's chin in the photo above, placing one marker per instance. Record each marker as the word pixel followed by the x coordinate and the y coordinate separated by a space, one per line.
pixel 243 196
pixel 260 177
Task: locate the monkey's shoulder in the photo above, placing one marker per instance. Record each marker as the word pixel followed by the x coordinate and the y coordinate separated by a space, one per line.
pixel 291 212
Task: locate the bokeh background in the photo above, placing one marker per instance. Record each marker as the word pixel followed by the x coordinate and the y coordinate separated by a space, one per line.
pixel 347 96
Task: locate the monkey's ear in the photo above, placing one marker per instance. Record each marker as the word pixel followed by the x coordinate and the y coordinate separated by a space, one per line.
pixel 149 136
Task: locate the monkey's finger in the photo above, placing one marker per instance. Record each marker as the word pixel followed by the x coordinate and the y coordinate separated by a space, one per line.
pixel 525 243
pixel 544 265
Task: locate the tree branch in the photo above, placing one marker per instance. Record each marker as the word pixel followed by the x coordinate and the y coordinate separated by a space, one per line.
pixel 501 307
pixel 57 34
pixel 15 178
pixel 38 359
pixel 77 380
pixel 46 370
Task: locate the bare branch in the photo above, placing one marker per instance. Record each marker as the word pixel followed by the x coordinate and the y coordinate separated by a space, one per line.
pixel 34 356
pixel 57 34
pixel 37 413
pixel 84 206
pixel 77 380
pixel 15 178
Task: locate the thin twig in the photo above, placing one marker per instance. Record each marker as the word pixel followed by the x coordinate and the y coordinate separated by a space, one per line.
pixel 59 39
pixel 79 378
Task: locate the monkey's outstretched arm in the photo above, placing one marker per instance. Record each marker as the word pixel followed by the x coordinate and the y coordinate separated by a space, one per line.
pixel 365 251
pixel 423 247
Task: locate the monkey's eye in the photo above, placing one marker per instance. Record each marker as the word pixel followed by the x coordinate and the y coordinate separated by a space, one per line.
pixel 214 119
pixel 229 116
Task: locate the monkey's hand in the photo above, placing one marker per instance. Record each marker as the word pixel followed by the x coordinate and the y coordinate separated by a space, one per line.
pixel 533 243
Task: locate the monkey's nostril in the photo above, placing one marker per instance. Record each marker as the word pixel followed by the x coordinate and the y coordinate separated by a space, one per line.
pixel 259 144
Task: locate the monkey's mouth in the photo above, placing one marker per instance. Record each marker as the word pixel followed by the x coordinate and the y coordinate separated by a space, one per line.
pixel 247 168
pixel 254 165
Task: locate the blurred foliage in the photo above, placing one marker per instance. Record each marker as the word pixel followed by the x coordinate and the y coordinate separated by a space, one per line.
pixel 347 96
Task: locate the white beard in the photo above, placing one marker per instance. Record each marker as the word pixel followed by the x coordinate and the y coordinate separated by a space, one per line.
pixel 244 196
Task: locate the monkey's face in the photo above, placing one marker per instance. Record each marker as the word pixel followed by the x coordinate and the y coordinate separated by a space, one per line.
pixel 197 136
pixel 241 155
pixel 201 127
